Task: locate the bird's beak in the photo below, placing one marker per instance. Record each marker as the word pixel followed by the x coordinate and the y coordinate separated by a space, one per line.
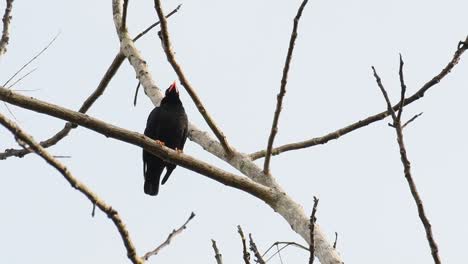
pixel 173 87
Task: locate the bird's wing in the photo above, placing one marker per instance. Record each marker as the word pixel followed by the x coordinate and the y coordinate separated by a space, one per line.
pixel 184 137
pixel 153 124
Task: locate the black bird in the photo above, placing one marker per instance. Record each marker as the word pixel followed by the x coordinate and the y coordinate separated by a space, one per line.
pixel 168 125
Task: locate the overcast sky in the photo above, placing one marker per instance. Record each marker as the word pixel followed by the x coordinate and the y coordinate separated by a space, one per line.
pixel 233 52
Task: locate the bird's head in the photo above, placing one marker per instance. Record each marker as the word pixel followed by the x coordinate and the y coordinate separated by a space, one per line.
pixel 172 94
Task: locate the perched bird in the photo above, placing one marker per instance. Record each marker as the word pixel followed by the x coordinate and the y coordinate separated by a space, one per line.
pixel 168 125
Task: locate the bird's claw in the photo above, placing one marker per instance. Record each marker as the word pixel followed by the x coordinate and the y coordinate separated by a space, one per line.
pixel 159 142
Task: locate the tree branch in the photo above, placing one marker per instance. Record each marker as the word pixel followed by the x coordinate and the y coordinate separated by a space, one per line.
pixel 407 165
pixel 218 256
pixel 253 248
pixel 169 238
pixel 184 81
pixel 111 71
pixel 245 253
pixel 462 47
pixel 124 15
pixel 284 205
pixel 6 27
pixel 75 183
pixel 167 154
pixel 280 96
pixel 312 225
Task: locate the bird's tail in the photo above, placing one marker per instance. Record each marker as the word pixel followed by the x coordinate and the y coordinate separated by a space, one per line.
pixel 169 169
pixel 152 176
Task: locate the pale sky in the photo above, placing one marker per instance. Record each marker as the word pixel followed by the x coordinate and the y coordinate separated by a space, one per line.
pixel 233 52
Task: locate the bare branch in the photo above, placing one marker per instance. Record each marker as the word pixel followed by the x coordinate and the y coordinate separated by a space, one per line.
pixel 167 154
pixel 284 80
pixel 124 15
pixel 174 233
pixel 411 120
pixel 403 88
pixel 384 93
pixel 21 78
pixel 184 81
pixel 245 253
pixel 408 176
pixel 285 245
pixel 253 247
pixel 462 47
pixel 283 204
pixel 111 71
pixel 218 256
pixel 6 27
pixel 156 23
pixel 136 94
pixel 75 183
pixel 32 59
pixel 312 225
pixel 336 240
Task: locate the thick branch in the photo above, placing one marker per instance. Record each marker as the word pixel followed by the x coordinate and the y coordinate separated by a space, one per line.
pixel 6 27
pixel 184 81
pixel 93 198
pixel 111 71
pixel 280 96
pixel 138 139
pixel 462 47
pixel 284 205
pixel 169 238
pixel 407 164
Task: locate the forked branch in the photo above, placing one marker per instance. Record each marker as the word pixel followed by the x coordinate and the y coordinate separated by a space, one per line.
pixel 405 160
pixel 75 183
pixel 134 138
pixel 184 80
pixel 462 47
pixel 111 71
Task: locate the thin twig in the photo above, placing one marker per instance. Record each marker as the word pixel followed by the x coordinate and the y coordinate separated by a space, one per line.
pixel 32 59
pixel 280 96
pixel 253 248
pixel 286 244
pixel 279 254
pixel 156 23
pixel 311 226
pixel 462 47
pixel 93 212
pixel 403 88
pixel 245 253
pixel 218 256
pixel 184 81
pixel 407 171
pixel 6 27
pixel 21 78
pixel 111 71
pixel 75 183
pixel 136 94
pixel 124 15
pixel 168 239
pixel 336 240
pixel 411 120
